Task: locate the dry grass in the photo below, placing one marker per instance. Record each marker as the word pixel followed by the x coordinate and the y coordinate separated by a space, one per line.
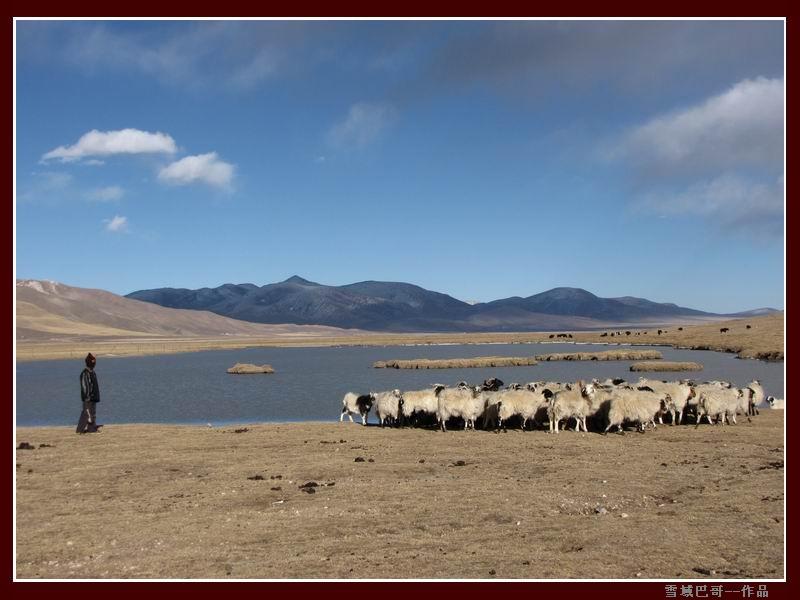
pixel 183 502
pixel 765 340
pixel 666 365
pixel 607 355
pixel 456 363
pixel 249 369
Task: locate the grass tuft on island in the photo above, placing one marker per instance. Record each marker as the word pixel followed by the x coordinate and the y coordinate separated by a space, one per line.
pixel 249 369
pixel 457 363
pixel 607 355
pixel 665 365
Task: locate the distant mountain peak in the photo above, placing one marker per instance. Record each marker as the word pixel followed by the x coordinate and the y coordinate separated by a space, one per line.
pixel 299 280
pixel 44 286
pixel 397 306
pixel 568 292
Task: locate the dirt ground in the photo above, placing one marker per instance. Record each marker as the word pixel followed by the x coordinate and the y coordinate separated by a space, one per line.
pixel 141 501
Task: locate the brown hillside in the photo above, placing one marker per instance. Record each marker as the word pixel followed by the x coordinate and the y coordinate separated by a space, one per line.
pixel 53 311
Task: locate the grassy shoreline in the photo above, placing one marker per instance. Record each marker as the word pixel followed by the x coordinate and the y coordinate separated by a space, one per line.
pixel 763 340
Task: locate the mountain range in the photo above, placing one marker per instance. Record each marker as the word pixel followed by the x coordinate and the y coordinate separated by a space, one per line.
pixel 404 307
pixel 47 310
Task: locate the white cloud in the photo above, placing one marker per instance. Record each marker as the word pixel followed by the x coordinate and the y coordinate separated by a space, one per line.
pixel 117 225
pixel 362 125
pixel 231 55
pixel 45 186
pixel 202 168
pixel 721 159
pixel 255 70
pixel 54 180
pixel 110 193
pixel 741 127
pixel 105 143
pixel 730 200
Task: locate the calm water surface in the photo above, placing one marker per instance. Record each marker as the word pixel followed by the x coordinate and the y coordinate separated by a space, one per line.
pixel 309 382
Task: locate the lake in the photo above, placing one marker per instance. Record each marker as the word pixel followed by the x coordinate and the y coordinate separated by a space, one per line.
pixel 309 383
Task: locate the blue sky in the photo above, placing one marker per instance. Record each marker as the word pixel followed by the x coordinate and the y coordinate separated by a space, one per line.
pixel 480 159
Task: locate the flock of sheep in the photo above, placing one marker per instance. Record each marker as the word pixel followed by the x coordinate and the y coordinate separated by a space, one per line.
pixel 601 404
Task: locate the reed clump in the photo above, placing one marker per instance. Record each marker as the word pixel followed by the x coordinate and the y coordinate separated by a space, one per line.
pixel 607 355
pixel 457 363
pixel 665 365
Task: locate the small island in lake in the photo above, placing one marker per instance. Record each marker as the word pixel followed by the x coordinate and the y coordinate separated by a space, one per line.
pixel 248 369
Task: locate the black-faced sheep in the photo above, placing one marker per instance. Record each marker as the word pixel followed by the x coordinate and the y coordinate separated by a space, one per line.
pixel 775 403
pixel 356 404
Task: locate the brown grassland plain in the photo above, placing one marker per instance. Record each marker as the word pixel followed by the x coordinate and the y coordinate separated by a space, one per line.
pixel 160 501
pixel 764 339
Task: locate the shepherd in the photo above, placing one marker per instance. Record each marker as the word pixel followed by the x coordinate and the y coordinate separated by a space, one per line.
pixel 90 396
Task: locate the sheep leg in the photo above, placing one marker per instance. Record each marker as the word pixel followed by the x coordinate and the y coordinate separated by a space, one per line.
pixel 341 416
pixel 363 419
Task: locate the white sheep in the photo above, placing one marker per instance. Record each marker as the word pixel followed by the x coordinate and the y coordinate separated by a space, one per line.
pixel 420 402
pixel 712 386
pixel 720 403
pixel 523 403
pixel 755 396
pixel 356 404
pixel 609 382
pixel 679 391
pixel 454 402
pixel 634 405
pixel 491 408
pixel 387 406
pixel 576 403
pixel 553 386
